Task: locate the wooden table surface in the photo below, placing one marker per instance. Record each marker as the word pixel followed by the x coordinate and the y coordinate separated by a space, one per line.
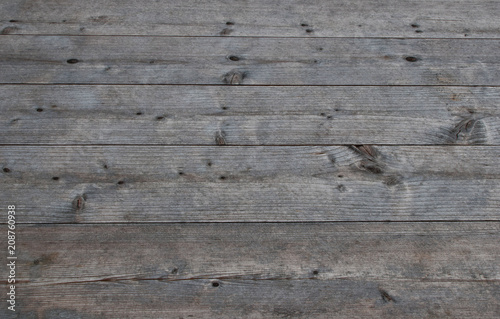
pixel 251 159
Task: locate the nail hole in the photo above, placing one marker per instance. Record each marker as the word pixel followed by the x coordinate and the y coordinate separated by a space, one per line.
pixel 181 173
pixel 309 30
pixel 13 21
pixel 174 271
pixel 322 114
pixel 36 262
pixel 53 106
pixel 6 170
pixel 222 177
pixel 224 107
pixel 304 25
pixel 55 178
pixel 64 20
pixel 72 61
pixel 229 23
pixel 414 25
pixel 152 62
pixel 209 164
pixel 39 109
pixel 418 31
pixel 320 49
pixel 329 117
pixel 159 118
pixel 411 59
pixel 215 284
pixel 315 272
pixel 121 182
pixel 340 176
pixel 336 110
pixel 138 113
pixel 105 166
pixel 233 58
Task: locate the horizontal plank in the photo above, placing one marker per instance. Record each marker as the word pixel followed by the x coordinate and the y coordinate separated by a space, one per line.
pixel 341 270
pixel 224 184
pixel 342 18
pixel 209 115
pixel 248 61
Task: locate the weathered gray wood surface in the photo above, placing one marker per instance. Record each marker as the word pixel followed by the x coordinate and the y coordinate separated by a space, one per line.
pixel 124 114
pixel 223 184
pixel 325 270
pixel 248 61
pixel 344 18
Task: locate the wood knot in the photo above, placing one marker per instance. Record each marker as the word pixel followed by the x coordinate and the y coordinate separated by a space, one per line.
pixel 79 202
pixel 220 138
pixel 370 158
pixel 233 77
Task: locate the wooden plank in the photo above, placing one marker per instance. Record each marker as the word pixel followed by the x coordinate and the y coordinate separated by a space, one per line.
pixel 201 115
pixel 248 61
pixel 341 18
pixel 233 184
pixel 325 270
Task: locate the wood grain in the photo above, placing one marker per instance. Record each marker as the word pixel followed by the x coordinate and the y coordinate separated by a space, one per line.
pixel 342 18
pixel 248 61
pixel 274 184
pixel 124 114
pixel 316 270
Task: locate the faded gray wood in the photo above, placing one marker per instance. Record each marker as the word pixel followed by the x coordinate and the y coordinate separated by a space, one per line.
pixel 458 18
pixel 275 184
pixel 248 61
pixel 341 270
pixel 208 115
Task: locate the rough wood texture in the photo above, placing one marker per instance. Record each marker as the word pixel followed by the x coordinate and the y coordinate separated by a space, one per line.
pixel 341 270
pixel 123 114
pixel 341 18
pixel 248 61
pixel 186 184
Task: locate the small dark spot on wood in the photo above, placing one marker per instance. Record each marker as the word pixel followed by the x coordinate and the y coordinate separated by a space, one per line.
pixel 36 262
pixel 222 177
pixel 215 284
pixel 138 113
pixel 309 30
pixel 174 271
pixel 315 61
pixel 329 117
pixel 13 21
pixel 105 166
pixel 6 170
pixel 72 61
pixel 340 176
pixel 341 188
pixel 121 182
pixel 233 58
pixel 385 296
pixel 209 163
pixel 107 68
pixel 320 49
pixel 465 35
pixel 418 31
pixel 414 25
pixel 159 118
pixel 82 28
pixel 315 272
pixel 151 61
pixel 226 31
pixel 224 108
pixel 233 77
pixel 229 23
pixel 304 25
pixel 14 121
pixel 322 114
pixel 55 178
pixel 336 110
pixel 411 59
pixel 39 109
pixel 181 173
pixel 220 138
pixel 53 106
pixel 64 21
